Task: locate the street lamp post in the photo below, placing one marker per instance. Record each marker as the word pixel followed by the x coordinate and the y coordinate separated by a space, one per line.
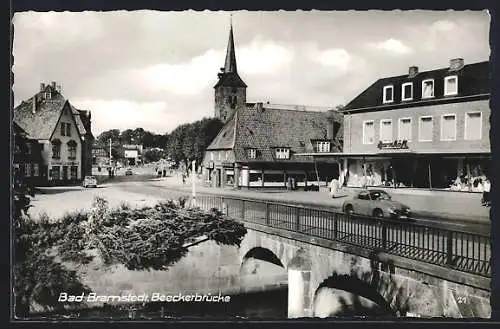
pixel 193 179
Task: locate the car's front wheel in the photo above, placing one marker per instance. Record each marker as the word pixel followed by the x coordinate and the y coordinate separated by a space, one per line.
pixel 348 209
pixel 378 213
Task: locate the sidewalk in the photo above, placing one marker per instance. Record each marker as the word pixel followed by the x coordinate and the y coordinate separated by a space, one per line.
pixel 464 206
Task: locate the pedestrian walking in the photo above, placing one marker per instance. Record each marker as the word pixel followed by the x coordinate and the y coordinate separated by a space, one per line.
pixel 486 193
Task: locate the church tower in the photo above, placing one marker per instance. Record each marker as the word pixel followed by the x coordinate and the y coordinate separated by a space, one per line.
pixel 230 90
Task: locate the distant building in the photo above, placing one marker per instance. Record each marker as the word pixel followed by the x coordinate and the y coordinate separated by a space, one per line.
pixel 100 156
pixel 421 129
pixel 133 154
pixel 63 131
pixel 259 147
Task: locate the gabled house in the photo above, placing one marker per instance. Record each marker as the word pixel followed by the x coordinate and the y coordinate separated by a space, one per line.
pixel 260 145
pixel 63 131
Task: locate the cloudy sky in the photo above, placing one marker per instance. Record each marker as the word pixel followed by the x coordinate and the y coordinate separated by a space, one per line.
pixel 156 70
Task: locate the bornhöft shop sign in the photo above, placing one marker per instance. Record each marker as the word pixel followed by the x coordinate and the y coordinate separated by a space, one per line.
pixel 396 145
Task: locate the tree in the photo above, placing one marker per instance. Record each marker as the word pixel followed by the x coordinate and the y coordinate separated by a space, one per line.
pixel 188 142
pixel 103 139
pixel 153 155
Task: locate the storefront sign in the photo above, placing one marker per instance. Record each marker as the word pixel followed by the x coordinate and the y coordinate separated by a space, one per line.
pixel 396 145
pixel 227 164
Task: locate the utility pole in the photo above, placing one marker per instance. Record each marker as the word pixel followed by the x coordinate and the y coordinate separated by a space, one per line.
pixel 193 179
pixel 110 153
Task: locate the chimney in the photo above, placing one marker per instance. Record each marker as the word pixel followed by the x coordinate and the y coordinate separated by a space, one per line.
pixel 412 71
pixel 54 84
pixel 58 88
pixel 33 105
pixel 42 86
pixel 259 106
pixel 456 64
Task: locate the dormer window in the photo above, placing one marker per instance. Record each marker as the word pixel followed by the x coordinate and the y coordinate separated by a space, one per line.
pixel 451 85
pixel 428 88
pixel 252 153
pixel 282 153
pixel 48 95
pixel 388 94
pixel 407 91
pixel 323 146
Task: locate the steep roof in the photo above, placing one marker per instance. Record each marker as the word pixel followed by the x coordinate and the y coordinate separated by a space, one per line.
pixel 42 123
pixel 229 77
pixel 266 129
pixel 473 79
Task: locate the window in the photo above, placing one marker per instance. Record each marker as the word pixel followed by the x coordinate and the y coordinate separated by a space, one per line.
pixel 386 130
pixel 48 95
pixel 473 126
pixel 364 196
pixel 322 146
pixel 68 129
pixel 451 85
pixel 234 90
pixel 252 153
pixel 56 172
pixel 72 150
pixel 63 129
pixel 36 170
pixel 227 155
pixel 388 94
pixel 407 91
pixel 428 88
pixel 212 156
pixel 27 169
pixel 425 129
pixel 368 132
pixel 56 149
pixel 404 129
pixel 219 155
pixel 448 127
pixel 282 153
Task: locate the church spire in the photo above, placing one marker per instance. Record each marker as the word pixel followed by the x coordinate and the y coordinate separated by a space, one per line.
pixel 230 64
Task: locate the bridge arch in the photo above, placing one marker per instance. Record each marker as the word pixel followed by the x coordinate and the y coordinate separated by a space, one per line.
pixel 262 254
pixel 353 296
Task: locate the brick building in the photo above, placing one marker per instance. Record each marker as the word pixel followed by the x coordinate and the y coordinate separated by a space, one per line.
pixel 63 132
pixel 260 146
pixel 421 129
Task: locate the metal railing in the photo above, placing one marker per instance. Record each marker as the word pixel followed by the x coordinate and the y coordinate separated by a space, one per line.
pixel 463 251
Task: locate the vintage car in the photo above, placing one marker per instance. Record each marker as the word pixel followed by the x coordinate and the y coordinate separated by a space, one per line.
pixel 89 181
pixel 375 203
pixel 128 172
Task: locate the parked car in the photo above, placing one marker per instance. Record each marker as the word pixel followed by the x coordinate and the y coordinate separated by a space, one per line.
pixel 128 172
pixel 89 181
pixel 375 203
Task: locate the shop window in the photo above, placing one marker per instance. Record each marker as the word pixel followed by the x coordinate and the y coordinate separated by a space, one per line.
pixel 323 146
pixel 74 172
pixel 407 91
pixel 27 169
pixel 368 132
pixel 386 130
pixel 425 129
pixel 451 85
pixel 448 127
pixel 55 173
pixel 404 129
pixel 388 94
pixel 282 153
pixel 428 88
pixel 473 126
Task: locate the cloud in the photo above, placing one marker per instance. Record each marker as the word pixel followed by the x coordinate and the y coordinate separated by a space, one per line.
pixel 394 46
pixel 123 114
pixel 334 57
pixel 263 57
pixel 187 78
pixel 443 26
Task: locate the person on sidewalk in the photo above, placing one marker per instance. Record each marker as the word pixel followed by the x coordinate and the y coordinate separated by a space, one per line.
pixel 486 193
